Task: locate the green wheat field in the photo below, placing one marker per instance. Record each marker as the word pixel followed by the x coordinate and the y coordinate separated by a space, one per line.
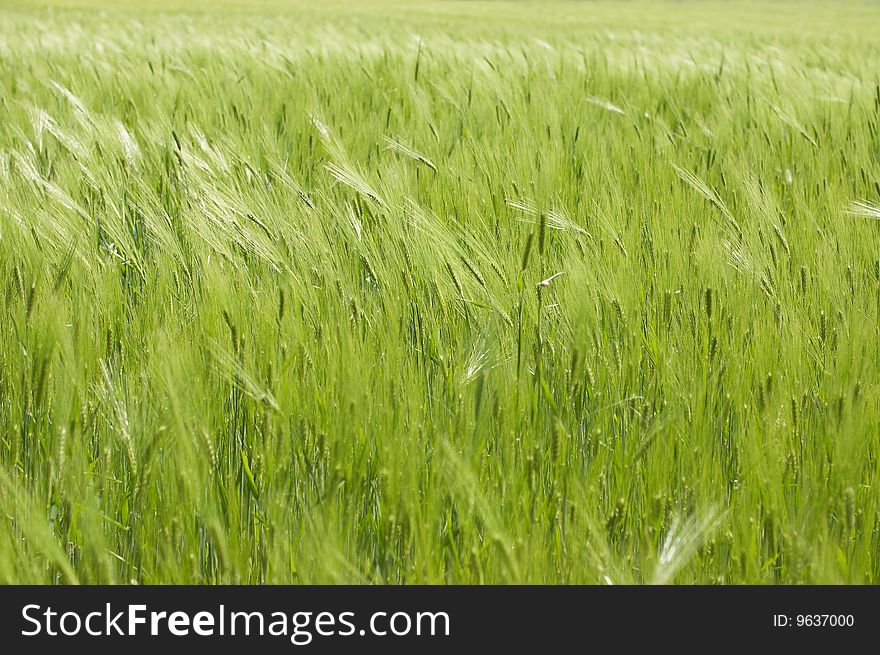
pixel 439 292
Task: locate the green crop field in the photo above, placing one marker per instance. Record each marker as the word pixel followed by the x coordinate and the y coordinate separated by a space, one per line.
pixel 439 292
